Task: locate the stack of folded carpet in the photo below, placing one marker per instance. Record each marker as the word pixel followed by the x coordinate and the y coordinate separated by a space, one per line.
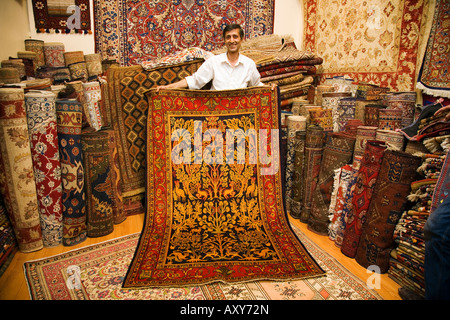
pixel 292 70
pixel 408 259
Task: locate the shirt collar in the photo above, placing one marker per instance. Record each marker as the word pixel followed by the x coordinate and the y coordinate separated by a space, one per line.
pixel 224 58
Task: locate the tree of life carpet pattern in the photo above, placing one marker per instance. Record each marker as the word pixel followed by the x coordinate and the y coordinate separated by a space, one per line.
pixel 211 217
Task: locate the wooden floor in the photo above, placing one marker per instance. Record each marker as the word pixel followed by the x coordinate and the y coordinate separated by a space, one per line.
pixel 13 285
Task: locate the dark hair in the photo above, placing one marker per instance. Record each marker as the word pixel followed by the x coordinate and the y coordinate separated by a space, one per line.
pixel 233 26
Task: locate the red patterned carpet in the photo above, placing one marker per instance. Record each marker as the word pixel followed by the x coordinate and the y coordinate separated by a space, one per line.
pixel 210 216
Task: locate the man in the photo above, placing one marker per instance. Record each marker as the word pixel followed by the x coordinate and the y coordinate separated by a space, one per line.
pixel 437 252
pixel 229 70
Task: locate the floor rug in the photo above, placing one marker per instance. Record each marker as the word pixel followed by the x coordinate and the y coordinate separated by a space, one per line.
pixel 215 211
pixel 103 267
pixel 369 41
pixel 131 32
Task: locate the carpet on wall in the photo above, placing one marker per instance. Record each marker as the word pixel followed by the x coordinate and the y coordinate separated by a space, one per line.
pixel 125 110
pixel 101 269
pixel 131 32
pixel 215 212
pixel 62 16
pixel 434 76
pixel 369 41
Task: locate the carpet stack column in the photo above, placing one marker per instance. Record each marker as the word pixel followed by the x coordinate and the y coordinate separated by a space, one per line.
pixel 18 186
pixel 397 171
pixel 69 115
pixel 42 127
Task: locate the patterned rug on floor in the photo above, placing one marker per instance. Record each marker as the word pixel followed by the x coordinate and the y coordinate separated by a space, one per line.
pixel 102 267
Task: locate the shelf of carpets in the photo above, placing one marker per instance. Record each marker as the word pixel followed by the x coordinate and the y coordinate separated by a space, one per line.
pixel 58 166
pixel 347 152
pixel 407 261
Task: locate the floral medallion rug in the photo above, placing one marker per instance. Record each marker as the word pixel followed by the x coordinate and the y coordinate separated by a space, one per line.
pixel 369 41
pixel 131 32
pixel 215 206
pixel 97 272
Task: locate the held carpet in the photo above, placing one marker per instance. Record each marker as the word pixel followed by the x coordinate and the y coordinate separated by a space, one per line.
pixel 102 268
pixel 215 211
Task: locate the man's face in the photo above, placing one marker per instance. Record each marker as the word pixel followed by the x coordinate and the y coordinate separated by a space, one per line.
pixel 233 40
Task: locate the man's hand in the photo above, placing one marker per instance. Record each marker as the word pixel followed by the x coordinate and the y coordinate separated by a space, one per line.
pixel 161 87
pixel 182 84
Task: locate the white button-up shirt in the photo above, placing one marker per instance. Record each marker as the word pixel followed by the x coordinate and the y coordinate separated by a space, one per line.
pixel 225 77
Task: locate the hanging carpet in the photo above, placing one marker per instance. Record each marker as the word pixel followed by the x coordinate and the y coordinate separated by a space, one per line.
pixel 215 213
pixel 369 41
pixel 61 16
pixel 134 31
pixel 434 75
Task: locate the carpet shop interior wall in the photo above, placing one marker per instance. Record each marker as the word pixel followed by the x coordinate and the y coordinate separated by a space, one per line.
pixel 19 13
